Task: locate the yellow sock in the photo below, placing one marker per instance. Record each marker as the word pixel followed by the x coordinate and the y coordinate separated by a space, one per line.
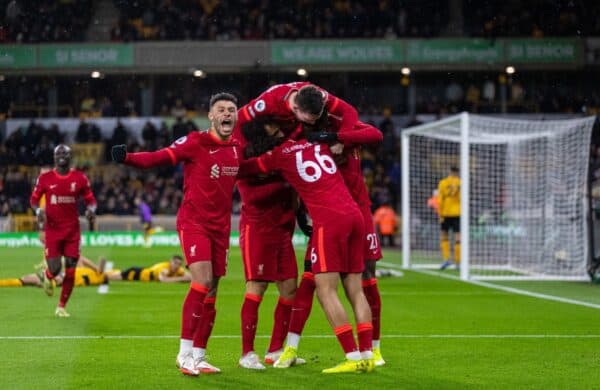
pixel 11 283
pixel 445 247
pixel 457 253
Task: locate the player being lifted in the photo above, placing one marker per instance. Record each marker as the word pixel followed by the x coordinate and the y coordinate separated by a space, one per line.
pixel 267 217
pixel 210 165
pixel 449 211
pixel 62 188
pixel 336 247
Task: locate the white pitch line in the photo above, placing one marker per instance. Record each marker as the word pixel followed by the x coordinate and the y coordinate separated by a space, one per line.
pixel 503 288
pixel 390 336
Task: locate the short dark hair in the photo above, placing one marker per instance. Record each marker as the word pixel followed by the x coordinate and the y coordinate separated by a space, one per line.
pixel 177 257
pixel 258 141
pixel 222 96
pixel 453 169
pixel 310 100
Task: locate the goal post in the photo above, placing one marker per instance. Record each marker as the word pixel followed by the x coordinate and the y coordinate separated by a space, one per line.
pixel 523 195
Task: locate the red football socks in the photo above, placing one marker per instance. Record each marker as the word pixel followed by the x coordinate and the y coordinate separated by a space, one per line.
pixel 372 293
pixel 249 321
pixel 281 322
pixel 192 309
pixel 365 336
pixel 207 322
pixel 302 303
pixel 67 286
pixel 346 338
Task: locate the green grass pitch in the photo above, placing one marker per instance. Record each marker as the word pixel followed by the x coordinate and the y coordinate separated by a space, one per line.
pixel 437 333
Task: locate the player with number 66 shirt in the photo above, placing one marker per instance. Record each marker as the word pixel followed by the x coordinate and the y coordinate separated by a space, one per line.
pixel 336 247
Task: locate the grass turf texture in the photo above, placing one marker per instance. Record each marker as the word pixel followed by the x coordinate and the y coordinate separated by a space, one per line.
pixel 437 333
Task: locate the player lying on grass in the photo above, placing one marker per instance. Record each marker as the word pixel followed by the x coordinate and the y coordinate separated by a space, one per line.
pixel 87 273
pixel 336 248
pixel 171 271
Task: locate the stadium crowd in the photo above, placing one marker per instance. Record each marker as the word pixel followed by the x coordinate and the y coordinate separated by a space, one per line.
pixel 32 146
pixel 67 21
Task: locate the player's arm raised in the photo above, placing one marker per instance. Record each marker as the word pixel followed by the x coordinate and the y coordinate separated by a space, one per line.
pixel 179 150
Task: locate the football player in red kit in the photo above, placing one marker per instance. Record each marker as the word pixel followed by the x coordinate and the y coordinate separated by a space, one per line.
pixel 336 247
pixel 62 188
pixel 283 105
pixel 210 165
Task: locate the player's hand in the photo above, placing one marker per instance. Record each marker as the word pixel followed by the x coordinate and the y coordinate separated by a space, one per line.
pixel 90 215
pixel 42 237
pixel 337 148
pixel 322 136
pixel 118 153
pixel 41 218
pixel 441 219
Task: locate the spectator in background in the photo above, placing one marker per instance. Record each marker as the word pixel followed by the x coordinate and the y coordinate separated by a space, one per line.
pixel 386 223
pixel 179 128
pixel 178 110
pixel 145 218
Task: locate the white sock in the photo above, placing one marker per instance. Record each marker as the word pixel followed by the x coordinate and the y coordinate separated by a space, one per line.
pixel 366 354
pixel 199 353
pixel 293 339
pixel 354 355
pixel 185 346
pixel 375 343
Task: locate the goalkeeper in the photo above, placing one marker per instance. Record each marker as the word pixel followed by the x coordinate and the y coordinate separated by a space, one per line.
pixel 449 210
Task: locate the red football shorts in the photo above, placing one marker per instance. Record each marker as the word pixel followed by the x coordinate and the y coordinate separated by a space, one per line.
pixel 337 245
pixel 200 246
pixel 63 242
pixel 372 249
pixel 268 254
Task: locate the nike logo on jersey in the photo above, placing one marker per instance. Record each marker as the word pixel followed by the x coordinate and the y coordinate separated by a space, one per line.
pixel 213 151
pixel 52 186
pixel 195 315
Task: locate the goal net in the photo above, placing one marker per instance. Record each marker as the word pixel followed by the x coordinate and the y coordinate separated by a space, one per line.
pixel 523 195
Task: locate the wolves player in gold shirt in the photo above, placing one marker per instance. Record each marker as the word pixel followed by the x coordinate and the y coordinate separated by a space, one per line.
pixel 449 210
pixel 87 273
pixel 166 272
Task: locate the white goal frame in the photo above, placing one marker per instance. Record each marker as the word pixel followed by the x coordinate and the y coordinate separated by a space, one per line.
pixel 461 121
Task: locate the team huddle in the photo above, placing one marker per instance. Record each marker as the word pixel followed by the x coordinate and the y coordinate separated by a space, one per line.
pixel 293 152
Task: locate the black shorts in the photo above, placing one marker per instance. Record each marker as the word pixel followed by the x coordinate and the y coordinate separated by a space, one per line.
pixel 451 223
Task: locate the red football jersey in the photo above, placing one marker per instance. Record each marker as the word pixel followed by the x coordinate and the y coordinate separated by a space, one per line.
pixel 274 103
pixel 268 202
pixel 62 194
pixel 210 167
pixel 351 170
pixel 310 169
